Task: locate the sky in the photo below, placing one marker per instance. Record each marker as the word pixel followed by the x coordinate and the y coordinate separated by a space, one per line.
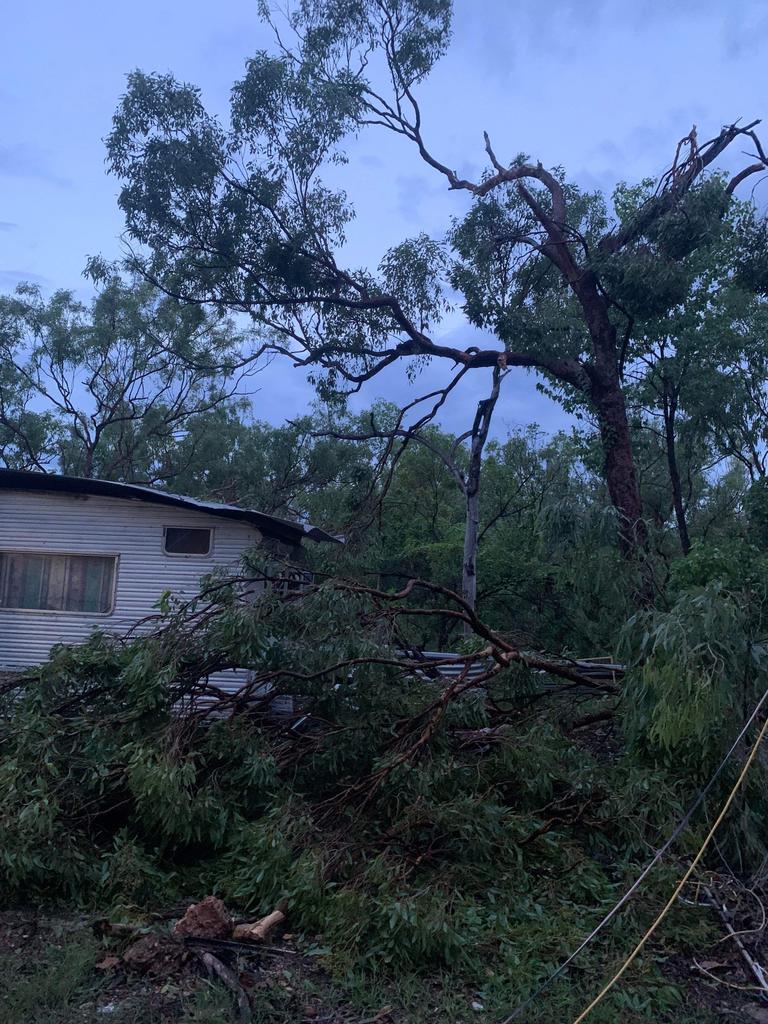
pixel 604 88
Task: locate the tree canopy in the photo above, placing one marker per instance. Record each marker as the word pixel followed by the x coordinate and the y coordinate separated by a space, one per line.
pixel 119 387
pixel 239 216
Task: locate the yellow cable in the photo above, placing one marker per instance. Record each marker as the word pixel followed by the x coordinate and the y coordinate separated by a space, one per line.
pixel 747 764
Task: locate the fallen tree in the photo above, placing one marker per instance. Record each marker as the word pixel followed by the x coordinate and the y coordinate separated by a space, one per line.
pixel 409 820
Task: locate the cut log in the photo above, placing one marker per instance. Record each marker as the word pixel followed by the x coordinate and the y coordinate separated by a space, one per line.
pixel 258 931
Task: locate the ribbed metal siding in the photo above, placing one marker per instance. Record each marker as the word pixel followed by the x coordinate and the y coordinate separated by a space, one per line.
pixel 132 530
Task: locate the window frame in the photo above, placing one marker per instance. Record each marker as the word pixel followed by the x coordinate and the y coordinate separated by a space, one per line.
pixel 113 555
pixel 187 554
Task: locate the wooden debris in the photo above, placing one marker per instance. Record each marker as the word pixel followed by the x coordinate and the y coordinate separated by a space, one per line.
pixel 117 928
pixel 384 1014
pixel 153 954
pixel 258 931
pixel 756 970
pixel 229 978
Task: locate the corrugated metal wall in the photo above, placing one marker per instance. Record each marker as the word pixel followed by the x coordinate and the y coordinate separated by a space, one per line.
pixel 133 530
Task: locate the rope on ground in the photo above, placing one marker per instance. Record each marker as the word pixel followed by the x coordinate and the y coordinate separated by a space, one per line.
pixel 681 884
pixel 679 828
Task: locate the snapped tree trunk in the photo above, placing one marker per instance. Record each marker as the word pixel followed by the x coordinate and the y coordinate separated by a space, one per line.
pixel 670 409
pixel 471 535
pixel 471 489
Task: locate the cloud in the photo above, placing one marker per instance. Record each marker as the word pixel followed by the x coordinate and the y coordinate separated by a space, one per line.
pixel 414 191
pixel 10 278
pixel 521 403
pixel 8 225
pixel 644 150
pixel 370 160
pixel 745 33
pixel 284 392
pixel 22 160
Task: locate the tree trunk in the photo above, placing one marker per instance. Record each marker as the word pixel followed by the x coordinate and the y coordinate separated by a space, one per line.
pixel 670 408
pixel 619 466
pixel 607 396
pixel 471 488
pixel 469 561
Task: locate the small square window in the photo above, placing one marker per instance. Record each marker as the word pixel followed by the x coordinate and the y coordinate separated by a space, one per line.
pixel 181 541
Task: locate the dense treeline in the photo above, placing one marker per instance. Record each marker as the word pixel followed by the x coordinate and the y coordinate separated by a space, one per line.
pixel 120 389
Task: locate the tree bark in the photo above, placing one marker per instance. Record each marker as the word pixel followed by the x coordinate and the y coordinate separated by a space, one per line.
pixel 670 409
pixel 619 466
pixel 471 488
pixel 469 561
pixel 602 383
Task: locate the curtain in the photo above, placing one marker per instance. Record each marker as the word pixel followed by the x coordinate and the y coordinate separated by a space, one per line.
pixel 65 583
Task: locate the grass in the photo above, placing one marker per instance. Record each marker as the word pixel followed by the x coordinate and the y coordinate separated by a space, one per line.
pixel 211 1005
pixel 54 980
pixel 51 989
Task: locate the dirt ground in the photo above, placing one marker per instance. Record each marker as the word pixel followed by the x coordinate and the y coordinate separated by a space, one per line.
pixel 65 969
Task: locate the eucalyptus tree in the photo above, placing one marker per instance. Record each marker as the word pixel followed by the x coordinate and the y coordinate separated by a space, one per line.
pixel 240 216
pixel 733 409
pixel 285 470
pixel 115 387
pixel 698 374
pixel 738 407
pixel 675 358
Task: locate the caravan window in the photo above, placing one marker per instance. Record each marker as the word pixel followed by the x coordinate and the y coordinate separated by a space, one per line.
pixel 183 541
pixel 57 582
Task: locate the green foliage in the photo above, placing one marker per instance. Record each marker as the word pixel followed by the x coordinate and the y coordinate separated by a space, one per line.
pixel 108 388
pixel 286 470
pixel 698 668
pixel 693 660
pixel 752 263
pixel 756 510
pixel 451 859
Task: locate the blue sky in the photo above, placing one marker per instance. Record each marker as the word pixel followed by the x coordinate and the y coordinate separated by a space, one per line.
pixel 603 87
